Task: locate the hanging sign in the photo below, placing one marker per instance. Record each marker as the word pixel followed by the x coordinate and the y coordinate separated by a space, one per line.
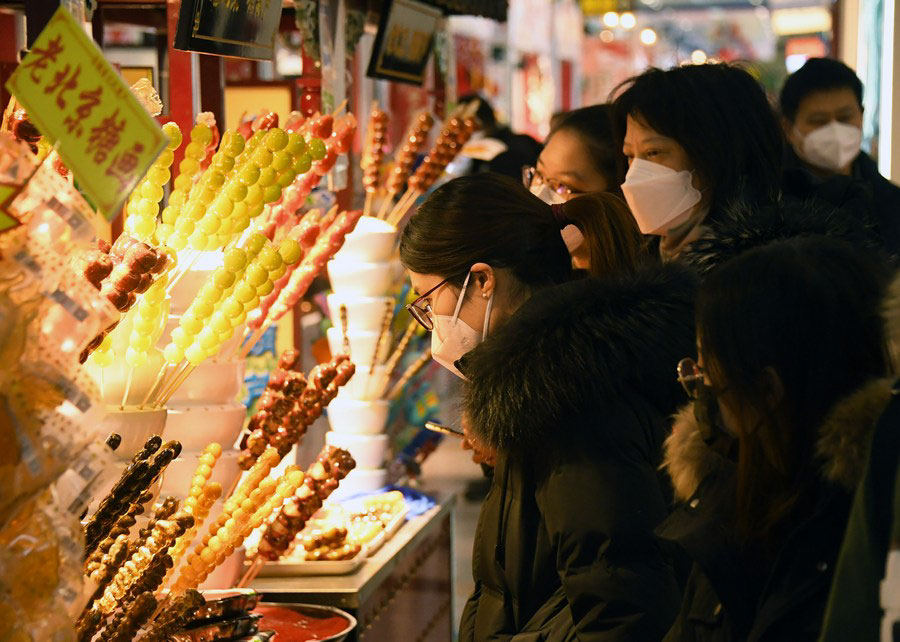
pixel 404 41
pixel 82 106
pixel 239 28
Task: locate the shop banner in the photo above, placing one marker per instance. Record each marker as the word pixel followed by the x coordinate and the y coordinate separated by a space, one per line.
pixel 404 41
pixel 81 105
pixel 239 28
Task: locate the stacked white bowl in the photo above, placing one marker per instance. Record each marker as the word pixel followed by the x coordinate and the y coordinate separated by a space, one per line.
pixel 361 276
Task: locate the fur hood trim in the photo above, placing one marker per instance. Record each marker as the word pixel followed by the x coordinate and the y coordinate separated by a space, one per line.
pixel 743 225
pixel 842 444
pixel 572 353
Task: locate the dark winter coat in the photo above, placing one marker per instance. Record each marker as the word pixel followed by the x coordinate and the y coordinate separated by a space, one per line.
pixel 866 194
pixel 575 391
pixel 732 594
pixel 744 225
pixel 854 606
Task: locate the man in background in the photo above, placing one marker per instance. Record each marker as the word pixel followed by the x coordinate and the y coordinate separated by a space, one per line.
pixel 822 111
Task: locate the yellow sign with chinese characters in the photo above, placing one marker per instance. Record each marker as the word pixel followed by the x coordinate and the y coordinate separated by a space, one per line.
pixel 79 102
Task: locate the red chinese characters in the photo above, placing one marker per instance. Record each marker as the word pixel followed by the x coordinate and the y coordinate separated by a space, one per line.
pixel 38 58
pixel 105 136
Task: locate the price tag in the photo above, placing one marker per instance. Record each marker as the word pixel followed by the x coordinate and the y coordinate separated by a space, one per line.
pixel 79 102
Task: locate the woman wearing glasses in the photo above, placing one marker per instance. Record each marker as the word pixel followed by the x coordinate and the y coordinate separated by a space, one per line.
pixel 569 384
pixel 580 156
pixel 767 458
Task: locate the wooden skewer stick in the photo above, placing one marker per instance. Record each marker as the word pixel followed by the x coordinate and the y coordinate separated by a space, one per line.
pixel 396 356
pixel 127 388
pixel 345 336
pixel 179 274
pixel 156 383
pixel 411 372
pixel 234 485
pixel 399 204
pixel 383 337
pixel 178 383
pixel 385 204
pixel 254 338
pixel 251 573
pixel 170 379
pixel 395 221
pixel 367 208
pixel 8 112
pixel 340 109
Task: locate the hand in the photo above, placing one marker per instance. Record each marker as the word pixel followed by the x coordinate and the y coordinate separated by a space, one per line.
pixel 481 453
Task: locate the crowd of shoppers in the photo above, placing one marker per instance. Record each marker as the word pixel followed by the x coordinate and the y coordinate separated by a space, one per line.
pixel 677 342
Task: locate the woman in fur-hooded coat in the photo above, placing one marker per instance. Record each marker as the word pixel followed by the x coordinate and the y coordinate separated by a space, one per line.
pixel 724 600
pixel 575 392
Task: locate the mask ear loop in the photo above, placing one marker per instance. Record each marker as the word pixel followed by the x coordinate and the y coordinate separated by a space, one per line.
pixel 462 296
pixel 487 316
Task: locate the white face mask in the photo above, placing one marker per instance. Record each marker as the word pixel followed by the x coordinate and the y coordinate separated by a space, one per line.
pixel 832 146
pixel 659 197
pixel 571 235
pixel 452 337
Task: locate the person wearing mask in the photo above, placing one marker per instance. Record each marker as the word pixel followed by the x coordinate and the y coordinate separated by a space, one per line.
pixel 567 383
pixel 822 112
pixel 698 139
pixel 766 459
pixel 580 156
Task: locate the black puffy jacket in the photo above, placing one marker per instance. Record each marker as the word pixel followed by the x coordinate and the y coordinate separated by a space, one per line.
pixel 575 391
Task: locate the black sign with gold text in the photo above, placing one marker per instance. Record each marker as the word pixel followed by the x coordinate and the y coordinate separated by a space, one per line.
pixel 404 41
pixel 239 28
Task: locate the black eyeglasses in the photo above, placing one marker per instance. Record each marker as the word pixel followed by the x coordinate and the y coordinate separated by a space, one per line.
pixel 690 376
pixel 421 313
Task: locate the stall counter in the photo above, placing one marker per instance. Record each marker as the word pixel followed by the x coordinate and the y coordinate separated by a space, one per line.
pixel 403 592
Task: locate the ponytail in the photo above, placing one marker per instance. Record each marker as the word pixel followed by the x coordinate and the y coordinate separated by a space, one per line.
pixel 493 219
pixel 614 242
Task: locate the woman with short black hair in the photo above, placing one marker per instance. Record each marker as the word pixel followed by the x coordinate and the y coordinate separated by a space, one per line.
pixel 697 139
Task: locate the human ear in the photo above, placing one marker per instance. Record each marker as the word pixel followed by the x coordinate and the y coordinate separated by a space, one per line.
pixel 485 278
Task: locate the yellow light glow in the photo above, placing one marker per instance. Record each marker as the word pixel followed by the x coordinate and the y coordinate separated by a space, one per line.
pixel 611 19
pixel 648 36
pixel 627 20
pixel 801 20
pixel 698 57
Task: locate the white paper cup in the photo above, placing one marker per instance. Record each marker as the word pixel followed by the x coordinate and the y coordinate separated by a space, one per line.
pixel 364 313
pixel 362 385
pixel 134 426
pixel 372 240
pixel 362 344
pixel 369 451
pixel 355 278
pixel 196 426
pixel 178 475
pixel 361 481
pixel 113 380
pixel 358 417
pixel 211 383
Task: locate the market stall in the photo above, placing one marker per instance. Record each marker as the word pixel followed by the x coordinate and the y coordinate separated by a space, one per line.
pixel 169 499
